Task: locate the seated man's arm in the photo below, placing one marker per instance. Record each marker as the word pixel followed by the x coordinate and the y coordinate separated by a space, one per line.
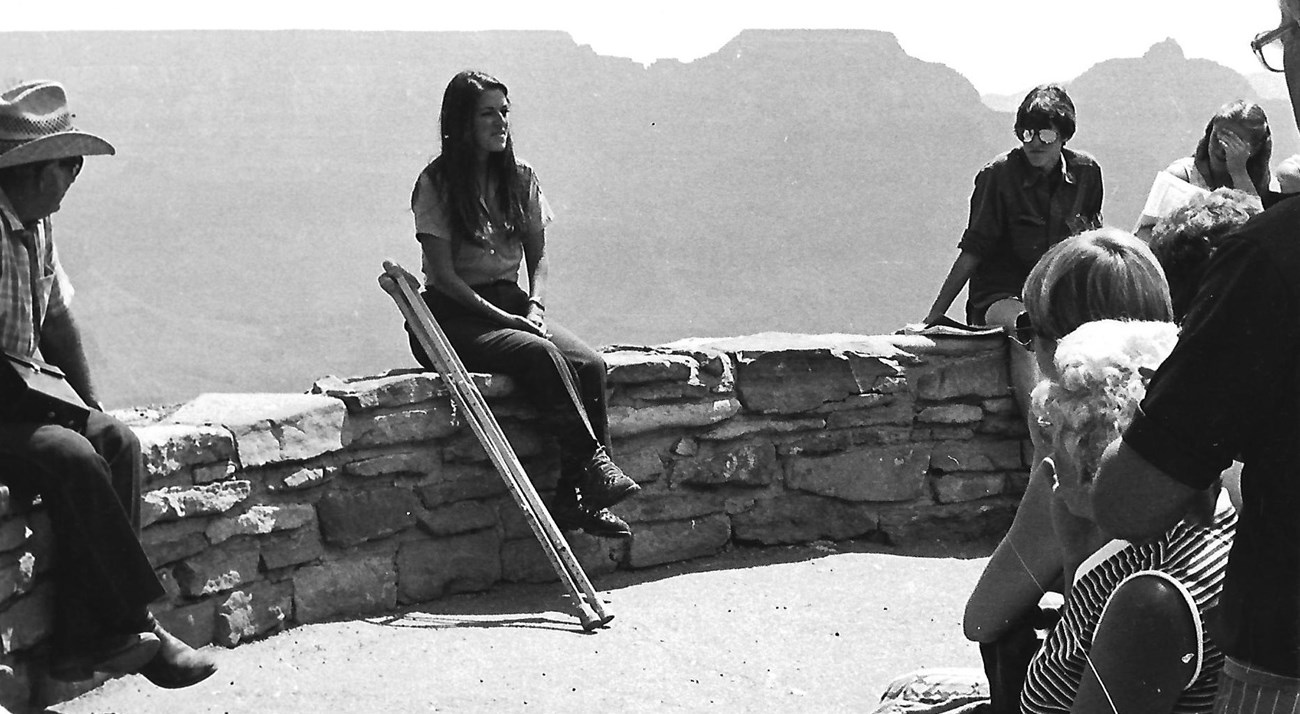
pixel 1144 653
pixel 61 346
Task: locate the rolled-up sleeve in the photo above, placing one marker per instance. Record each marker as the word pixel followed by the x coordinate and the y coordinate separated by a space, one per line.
pixel 61 290
pixel 987 222
pixel 539 209
pixel 430 209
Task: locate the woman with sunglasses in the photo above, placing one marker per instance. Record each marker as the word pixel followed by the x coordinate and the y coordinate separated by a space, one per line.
pixel 479 217
pixel 1024 202
pixel 1234 153
pixel 1098 275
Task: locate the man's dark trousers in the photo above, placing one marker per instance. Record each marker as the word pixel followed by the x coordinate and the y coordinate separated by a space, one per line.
pixel 89 481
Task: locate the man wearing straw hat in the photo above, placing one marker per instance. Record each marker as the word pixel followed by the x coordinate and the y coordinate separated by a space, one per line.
pixel 88 476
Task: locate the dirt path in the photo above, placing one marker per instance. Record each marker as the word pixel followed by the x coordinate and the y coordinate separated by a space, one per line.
pixel 804 629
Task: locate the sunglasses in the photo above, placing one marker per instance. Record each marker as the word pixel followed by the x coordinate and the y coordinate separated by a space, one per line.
pixel 1047 136
pixel 1025 332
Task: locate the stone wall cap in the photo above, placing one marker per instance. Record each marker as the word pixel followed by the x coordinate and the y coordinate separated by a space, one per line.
pixel 230 409
pixel 872 345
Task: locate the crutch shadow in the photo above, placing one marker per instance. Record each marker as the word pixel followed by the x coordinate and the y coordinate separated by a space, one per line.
pixel 520 606
pixel 435 621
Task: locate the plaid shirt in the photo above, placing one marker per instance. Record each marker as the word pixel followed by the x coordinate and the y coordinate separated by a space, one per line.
pixel 33 285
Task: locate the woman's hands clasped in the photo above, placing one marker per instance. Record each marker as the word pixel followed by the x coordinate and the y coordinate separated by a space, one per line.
pixel 533 322
pixel 537 317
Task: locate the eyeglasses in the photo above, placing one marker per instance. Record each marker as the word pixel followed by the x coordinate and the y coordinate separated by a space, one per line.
pixel 1047 136
pixel 1268 46
pixel 1025 332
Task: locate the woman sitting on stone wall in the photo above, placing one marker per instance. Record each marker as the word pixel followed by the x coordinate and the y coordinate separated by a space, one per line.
pixel 1234 153
pixel 480 215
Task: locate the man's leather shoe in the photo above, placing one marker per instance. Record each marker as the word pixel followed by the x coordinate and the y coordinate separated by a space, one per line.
pixel 118 654
pixel 176 664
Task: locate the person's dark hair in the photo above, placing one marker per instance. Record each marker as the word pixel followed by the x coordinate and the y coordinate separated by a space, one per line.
pixel 453 171
pixel 1097 275
pixel 1184 240
pixel 1047 106
pixel 1249 116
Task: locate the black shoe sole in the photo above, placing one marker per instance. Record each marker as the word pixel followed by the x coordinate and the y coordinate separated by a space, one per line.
pixel 176 679
pixel 128 659
pixel 569 527
pixel 609 533
pixel 612 497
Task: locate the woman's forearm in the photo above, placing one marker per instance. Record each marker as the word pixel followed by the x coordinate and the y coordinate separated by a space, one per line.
pixel 537 266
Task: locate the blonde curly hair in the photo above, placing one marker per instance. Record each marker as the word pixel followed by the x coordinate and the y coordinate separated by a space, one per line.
pixel 1102 372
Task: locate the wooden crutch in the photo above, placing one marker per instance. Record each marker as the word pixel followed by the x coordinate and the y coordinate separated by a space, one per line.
pixel 402 287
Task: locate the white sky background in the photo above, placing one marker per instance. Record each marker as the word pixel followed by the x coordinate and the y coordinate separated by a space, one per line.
pixel 1002 46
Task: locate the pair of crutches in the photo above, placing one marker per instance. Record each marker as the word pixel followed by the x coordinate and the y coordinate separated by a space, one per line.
pixel 403 288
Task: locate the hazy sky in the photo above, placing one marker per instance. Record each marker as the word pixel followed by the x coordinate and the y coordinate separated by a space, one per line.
pixel 1000 45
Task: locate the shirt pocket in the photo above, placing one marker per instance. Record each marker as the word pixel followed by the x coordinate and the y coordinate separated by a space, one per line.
pixel 1028 234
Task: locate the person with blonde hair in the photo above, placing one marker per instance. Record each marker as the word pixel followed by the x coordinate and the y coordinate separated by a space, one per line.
pixel 1101 322
pixel 1132 635
pixel 1100 274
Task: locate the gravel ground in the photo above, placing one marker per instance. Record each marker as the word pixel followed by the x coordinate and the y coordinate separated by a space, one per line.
pixel 820 628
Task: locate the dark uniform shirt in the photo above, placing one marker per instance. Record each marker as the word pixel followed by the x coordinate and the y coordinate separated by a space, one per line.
pixel 1229 390
pixel 1017 212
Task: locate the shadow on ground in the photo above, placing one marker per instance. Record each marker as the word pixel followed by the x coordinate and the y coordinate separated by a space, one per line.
pixel 822 627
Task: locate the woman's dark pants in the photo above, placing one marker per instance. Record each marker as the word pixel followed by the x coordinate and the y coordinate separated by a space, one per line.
pixel 535 362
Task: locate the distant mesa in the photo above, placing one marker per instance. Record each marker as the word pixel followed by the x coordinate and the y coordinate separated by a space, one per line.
pixel 1167 50
pixel 1161 72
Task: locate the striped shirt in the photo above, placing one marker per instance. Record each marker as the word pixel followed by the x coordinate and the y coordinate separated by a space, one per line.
pixel 33 285
pixel 1192 558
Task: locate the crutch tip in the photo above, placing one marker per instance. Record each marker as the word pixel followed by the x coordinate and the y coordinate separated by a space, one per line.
pixel 588 618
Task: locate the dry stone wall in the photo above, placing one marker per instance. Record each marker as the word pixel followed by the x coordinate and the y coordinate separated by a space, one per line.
pixel 263 511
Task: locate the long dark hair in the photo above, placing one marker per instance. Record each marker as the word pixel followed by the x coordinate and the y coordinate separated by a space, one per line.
pixel 452 172
pixel 1250 116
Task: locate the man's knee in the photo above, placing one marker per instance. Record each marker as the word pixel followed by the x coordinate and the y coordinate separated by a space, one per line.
pixel 112 438
pixel 591 366
pixel 61 454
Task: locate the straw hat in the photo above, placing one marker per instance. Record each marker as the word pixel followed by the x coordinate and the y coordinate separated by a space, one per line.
pixel 35 125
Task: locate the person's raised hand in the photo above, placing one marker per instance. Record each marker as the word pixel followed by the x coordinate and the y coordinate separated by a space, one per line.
pixel 1236 150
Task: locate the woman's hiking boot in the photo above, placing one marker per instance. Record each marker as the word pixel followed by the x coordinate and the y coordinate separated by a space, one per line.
pixel 602 483
pixel 570 515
